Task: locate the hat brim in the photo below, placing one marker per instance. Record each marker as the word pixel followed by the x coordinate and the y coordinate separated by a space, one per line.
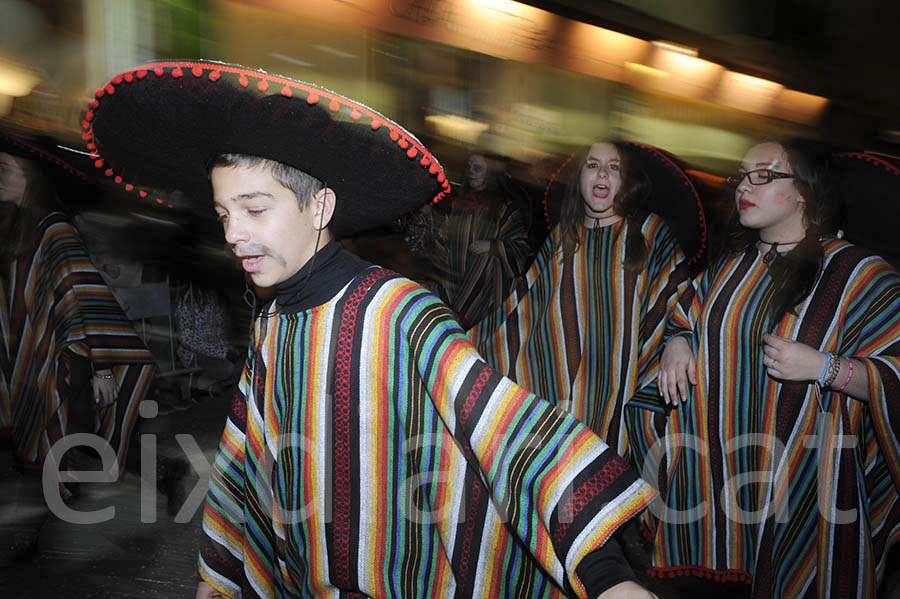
pixel 673 197
pixel 162 124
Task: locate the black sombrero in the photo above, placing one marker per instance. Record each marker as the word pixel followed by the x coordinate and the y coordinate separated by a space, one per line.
pixel 160 125
pixel 868 196
pixel 674 196
pixel 56 162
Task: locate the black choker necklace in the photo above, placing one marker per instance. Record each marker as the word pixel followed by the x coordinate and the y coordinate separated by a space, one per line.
pixel 773 251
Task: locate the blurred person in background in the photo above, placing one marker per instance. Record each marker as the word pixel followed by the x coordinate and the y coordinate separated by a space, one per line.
pixel 586 328
pixel 486 239
pixel 783 359
pixel 69 360
pixel 369 451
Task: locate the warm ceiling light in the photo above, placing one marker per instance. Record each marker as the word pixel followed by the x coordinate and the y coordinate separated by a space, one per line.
pixel 642 69
pixel 678 48
pixel 16 81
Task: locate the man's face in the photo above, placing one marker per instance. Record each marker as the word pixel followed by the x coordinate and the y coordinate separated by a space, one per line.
pixel 263 223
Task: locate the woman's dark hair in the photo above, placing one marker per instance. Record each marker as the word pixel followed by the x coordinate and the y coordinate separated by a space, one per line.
pixel 630 203
pixel 794 274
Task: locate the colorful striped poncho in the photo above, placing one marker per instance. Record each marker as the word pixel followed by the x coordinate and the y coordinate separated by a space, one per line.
pixel 775 500
pixel 53 301
pixel 584 334
pixel 370 452
pixel 479 282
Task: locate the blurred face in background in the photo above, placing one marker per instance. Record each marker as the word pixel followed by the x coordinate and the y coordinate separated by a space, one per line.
pixel 600 181
pixel 477 171
pixel 12 179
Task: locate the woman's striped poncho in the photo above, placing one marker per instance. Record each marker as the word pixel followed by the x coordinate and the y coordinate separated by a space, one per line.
pixel 584 334
pixel 52 301
pixel 370 452
pixel 777 502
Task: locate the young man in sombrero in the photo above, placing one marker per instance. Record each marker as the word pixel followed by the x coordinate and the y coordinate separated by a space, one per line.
pixel 370 451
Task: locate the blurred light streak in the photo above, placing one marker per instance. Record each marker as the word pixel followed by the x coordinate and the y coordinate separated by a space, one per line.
pixel 295 61
pixel 334 51
pixel 15 80
pixel 677 48
pixel 642 69
pixel 744 92
pixel 792 105
pixel 456 127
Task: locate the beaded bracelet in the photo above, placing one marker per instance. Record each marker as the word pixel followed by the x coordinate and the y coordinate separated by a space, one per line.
pixel 821 379
pixel 834 367
pixel 97 375
pixel 849 375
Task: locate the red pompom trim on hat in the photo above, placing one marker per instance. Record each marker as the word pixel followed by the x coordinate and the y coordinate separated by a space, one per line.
pixel 403 143
pixel 394 135
pixel 355 115
pixel 158 71
pixel 108 172
pixel 375 124
pixel 99 93
pixel 214 76
pixel 142 193
pixel 197 72
pixel 286 91
pixel 334 106
pixel 129 186
pixel 159 200
pixel 412 152
pixel 263 85
pixel 142 73
pixel 129 77
pixel 98 163
pixel 94 103
pixel 312 99
pixel 243 80
pixel 116 80
pixel 110 89
pixel 425 161
pixel 433 169
pixel 118 179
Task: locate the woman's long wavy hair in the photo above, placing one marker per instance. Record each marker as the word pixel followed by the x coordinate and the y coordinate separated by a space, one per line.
pixel 795 273
pixel 630 203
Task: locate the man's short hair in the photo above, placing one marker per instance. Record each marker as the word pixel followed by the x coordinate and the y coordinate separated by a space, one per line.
pixel 302 184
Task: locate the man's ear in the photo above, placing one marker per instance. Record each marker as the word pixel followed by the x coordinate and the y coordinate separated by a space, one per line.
pixel 323 207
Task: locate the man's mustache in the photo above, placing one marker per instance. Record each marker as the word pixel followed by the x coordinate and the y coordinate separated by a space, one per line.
pixel 256 249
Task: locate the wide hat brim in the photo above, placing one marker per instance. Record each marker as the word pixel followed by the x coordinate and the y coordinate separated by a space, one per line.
pixel 868 188
pixel 673 196
pixel 162 124
pixel 65 169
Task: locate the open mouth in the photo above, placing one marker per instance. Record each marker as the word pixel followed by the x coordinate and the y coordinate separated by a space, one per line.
pixel 251 263
pixel 600 192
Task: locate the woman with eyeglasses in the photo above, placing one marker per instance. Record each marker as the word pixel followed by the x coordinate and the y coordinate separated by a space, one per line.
pixel 780 466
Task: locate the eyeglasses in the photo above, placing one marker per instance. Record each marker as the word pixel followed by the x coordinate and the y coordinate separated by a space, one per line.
pixel 760 176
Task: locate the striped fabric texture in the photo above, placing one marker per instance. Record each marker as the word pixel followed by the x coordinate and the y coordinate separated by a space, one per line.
pixel 52 301
pixel 583 334
pixel 780 500
pixel 370 452
pixel 479 282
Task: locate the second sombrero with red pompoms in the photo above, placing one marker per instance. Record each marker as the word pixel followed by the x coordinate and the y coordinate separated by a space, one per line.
pixel 161 125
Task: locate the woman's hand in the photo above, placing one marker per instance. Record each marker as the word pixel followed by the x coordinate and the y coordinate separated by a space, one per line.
pixel 104 386
pixel 791 360
pixel 677 368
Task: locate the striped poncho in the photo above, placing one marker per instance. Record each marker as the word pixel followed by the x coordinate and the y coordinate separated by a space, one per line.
pixel 480 281
pixel 583 333
pixel 370 452
pixel 756 485
pixel 53 301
